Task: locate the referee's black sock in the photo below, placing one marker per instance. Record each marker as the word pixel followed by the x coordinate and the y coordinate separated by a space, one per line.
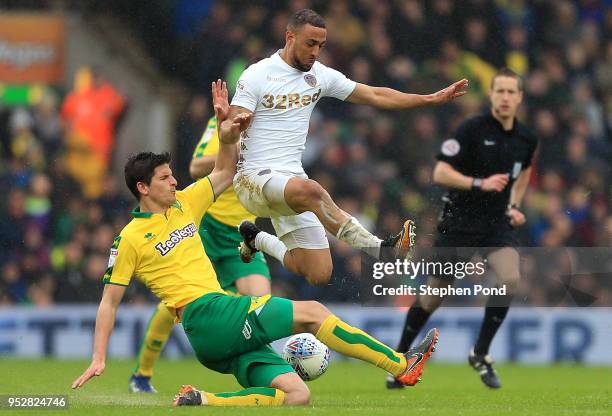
pixel 415 320
pixel 495 313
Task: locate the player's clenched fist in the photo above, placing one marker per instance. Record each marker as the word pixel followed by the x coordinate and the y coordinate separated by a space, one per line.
pixel 517 218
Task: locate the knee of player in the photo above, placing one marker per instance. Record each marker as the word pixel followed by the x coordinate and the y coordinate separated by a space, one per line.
pixel 312 192
pixel 299 396
pixel 320 276
pixel 318 311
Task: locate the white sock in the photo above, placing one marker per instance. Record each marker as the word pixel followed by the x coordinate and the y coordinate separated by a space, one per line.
pixel 270 244
pixel 353 233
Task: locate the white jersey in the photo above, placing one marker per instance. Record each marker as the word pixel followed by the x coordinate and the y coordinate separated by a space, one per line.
pixel 282 99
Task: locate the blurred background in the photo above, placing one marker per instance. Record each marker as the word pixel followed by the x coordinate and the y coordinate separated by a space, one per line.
pixel 83 84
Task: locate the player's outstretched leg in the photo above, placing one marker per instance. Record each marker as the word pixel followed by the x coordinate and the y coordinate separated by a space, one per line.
pixel 157 333
pixel 401 245
pixel 397 246
pixel 407 368
pixel 297 195
pixel 307 195
pixel 253 396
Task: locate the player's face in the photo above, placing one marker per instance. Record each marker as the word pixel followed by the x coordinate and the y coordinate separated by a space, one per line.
pixel 162 189
pixel 506 97
pixel 305 44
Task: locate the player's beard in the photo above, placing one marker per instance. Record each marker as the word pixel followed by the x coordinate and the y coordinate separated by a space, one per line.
pixel 299 65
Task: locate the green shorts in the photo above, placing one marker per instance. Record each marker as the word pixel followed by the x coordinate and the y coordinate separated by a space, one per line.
pixel 221 243
pixel 231 335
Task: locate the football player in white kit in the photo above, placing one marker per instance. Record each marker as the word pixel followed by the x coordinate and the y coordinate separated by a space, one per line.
pixel 280 93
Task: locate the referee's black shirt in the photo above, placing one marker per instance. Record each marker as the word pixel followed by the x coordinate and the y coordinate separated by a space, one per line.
pixel 481 147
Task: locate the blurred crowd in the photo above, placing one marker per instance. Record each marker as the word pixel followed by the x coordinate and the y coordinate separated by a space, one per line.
pixel 376 164
pixel 62 207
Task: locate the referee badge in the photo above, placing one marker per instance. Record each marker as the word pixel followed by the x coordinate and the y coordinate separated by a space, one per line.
pixel 450 147
pixel 310 80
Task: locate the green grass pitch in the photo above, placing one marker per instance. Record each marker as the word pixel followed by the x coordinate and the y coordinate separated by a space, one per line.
pixel 348 388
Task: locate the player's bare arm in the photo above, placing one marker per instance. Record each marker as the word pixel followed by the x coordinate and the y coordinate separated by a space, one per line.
pixel 105 321
pixel 516 197
pixel 202 166
pixel 225 163
pixel 444 174
pixel 390 99
pixel 229 131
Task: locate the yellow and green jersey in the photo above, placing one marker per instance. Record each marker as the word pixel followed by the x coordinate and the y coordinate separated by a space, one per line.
pixel 165 251
pixel 228 209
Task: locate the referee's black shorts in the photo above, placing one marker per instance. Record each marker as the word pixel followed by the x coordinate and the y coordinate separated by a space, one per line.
pixel 457 247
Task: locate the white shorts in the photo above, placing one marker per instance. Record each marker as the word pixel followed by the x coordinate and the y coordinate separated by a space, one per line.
pixel 295 230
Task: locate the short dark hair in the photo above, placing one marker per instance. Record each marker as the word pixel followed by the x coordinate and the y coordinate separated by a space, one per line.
pixel 507 72
pixel 305 17
pixel 140 168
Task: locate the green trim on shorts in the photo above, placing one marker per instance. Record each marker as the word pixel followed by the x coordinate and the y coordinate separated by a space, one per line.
pixel 351 338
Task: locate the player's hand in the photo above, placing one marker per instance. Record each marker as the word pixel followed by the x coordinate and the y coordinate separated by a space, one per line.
pixel 495 183
pixel 230 129
pixel 517 218
pixel 96 368
pixel 220 100
pixel 451 92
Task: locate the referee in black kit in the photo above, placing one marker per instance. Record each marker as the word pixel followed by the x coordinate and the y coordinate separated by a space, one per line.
pixel 486 169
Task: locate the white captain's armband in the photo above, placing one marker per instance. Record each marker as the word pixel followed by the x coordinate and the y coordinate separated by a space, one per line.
pixel 113 257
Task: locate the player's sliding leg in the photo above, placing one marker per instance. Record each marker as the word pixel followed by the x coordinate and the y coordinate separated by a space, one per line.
pixel 285 389
pixel 505 263
pixel 407 368
pixel 252 323
pixel 253 285
pixel 253 396
pixel 157 333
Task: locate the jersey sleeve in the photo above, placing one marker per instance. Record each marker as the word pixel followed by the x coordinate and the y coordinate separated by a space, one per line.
pixel 213 144
pixel 121 263
pixel 337 85
pixel 455 150
pixel 199 196
pixel 209 142
pixel 247 89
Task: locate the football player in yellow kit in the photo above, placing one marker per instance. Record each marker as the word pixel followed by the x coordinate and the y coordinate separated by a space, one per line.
pixel 219 233
pixel 229 334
